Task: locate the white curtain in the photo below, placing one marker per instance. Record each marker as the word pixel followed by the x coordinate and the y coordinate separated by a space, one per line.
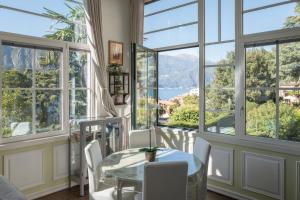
pixel 93 15
pixel 137 21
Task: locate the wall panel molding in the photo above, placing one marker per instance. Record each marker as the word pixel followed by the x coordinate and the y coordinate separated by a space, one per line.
pixel 25 169
pixel 263 174
pixel 60 161
pixel 220 167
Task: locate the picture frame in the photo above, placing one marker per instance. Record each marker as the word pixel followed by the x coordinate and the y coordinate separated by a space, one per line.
pixel 116 54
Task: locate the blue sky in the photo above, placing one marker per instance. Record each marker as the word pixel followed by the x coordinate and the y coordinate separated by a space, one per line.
pixel 27 24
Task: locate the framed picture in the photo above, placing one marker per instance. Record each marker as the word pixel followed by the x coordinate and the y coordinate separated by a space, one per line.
pixel 115 52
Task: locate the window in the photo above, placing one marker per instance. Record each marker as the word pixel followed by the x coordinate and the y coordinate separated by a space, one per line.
pixel 259 15
pixel 219 71
pixel 179 27
pixel 31 90
pixel 178 82
pixel 79 84
pixel 272 91
pixel 55 19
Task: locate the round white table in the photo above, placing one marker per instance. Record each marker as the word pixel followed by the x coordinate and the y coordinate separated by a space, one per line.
pixel 129 164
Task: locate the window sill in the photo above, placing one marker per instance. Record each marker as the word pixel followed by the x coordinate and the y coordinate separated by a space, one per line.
pixel 278 146
pixel 8 145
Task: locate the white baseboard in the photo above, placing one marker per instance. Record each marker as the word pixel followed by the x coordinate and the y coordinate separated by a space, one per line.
pixel 49 190
pixel 229 193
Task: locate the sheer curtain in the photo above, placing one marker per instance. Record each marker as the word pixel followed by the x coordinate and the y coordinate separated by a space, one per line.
pixel 93 15
pixel 137 21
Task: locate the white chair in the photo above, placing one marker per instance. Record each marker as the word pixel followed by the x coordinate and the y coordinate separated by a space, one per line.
pixel 164 181
pixel 94 157
pixel 202 151
pixel 140 138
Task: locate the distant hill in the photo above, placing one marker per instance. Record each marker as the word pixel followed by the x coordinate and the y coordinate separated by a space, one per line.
pixel 180 71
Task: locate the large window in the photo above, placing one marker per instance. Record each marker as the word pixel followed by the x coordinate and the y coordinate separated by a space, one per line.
pixel 249 84
pixel 176 40
pixel 272 91
pixel 31 90
pixel 44 82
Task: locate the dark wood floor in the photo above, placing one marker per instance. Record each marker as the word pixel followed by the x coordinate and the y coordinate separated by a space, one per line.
pixel 73 194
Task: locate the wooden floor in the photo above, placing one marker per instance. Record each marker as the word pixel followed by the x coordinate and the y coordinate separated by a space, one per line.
pixel 73 194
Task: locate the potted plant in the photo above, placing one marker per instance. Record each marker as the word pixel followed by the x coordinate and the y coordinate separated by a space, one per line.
pixel 150 153
pixel 115 68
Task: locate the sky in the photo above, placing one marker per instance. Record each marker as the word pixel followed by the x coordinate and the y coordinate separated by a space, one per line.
pixel 258 21
pixel 254 22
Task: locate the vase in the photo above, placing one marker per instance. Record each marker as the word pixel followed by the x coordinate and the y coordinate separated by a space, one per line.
pixel 150 156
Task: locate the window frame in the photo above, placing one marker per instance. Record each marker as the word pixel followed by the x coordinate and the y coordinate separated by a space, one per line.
pixel 173 47
pixel 240 138
pixel 64 76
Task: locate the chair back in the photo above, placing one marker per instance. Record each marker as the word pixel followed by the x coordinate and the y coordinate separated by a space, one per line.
pixel 140 138
pixel 165 181
pixel 93 158
pixel 202 150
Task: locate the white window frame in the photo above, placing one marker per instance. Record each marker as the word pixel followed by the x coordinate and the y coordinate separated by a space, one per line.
pixel 241 138
pixel 44 42
pixel 172 47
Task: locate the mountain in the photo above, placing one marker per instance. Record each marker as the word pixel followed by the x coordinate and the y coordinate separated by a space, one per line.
pixel 178 71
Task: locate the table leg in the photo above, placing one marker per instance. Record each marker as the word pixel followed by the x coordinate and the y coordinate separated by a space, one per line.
pixel 119 190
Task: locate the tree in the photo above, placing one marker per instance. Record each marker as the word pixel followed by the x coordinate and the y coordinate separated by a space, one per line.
pixel 293 21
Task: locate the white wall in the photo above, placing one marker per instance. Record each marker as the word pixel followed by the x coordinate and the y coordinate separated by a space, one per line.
pixel 116 28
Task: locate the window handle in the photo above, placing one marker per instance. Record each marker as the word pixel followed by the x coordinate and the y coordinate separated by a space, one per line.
pixel 241 111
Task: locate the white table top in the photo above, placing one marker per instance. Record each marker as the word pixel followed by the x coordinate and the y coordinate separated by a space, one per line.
pixel 129 164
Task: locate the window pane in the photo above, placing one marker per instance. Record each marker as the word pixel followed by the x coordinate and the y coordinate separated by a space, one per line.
pixel 219 77
pixel 17 67
pixel 261 67
pixel 263 20
pixel 177 36
pixel 261 113
pixel 219 99
pixel 211 21
pixel 250 4
pixel 175 17
pixel 49 63
pixel 163 4
pixel 16 112
pixel 289 67
pixel 78 62
pixel 78 104
pixel 220 122
pixel 48 110
pixel 179 87
pixel 289 115
pixel 220 54
pixel 43 27
pixel 227 20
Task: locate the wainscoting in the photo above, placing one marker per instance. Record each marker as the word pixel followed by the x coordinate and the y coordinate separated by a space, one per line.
pixel 220 166
pixel 263 174
pixel 26 169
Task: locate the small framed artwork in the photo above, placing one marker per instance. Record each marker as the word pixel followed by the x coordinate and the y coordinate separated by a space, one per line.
pixel 115 52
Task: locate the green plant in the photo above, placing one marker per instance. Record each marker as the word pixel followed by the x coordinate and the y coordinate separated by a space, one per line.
pixel 115 68
pixel 149 149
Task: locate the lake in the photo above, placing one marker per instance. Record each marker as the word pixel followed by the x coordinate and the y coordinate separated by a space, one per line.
pixel 168 93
